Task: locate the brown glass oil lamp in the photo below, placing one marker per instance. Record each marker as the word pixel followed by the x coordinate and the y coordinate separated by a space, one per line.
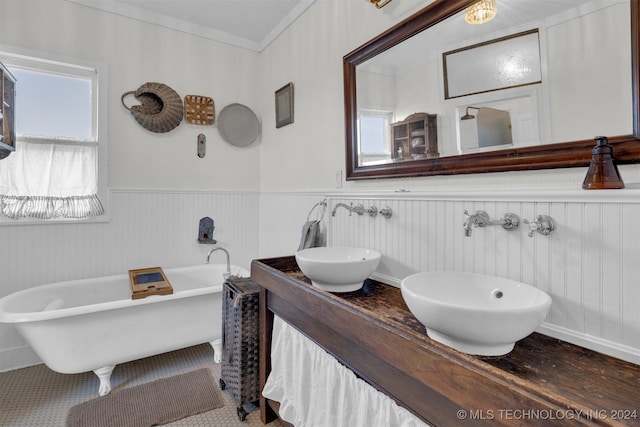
pixel 603 173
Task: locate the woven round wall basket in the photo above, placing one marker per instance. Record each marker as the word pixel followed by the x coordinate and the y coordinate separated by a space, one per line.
pixel 160 109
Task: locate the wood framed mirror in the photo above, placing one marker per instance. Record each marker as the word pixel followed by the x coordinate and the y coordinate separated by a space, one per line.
pixel 570 147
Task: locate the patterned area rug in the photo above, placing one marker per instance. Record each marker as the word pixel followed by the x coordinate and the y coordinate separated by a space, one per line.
pixel 157 402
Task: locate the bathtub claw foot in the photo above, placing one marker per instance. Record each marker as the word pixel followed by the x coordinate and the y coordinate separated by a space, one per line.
pixel 217 350
pixel 104 374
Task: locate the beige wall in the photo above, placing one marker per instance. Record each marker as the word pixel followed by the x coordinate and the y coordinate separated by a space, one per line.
pixel 576 112
pixel 301 156
pixel 136 53
pixel 307 154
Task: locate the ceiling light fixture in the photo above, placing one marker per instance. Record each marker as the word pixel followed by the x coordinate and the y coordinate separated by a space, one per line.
pixel 380 3
pixel 480 12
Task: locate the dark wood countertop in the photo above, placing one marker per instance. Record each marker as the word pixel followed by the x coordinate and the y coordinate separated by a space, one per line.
pixel 543 381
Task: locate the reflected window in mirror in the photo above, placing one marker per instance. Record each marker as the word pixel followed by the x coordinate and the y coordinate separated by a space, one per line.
pixel 375 141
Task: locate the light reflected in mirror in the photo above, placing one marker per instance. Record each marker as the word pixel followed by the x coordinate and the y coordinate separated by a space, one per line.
pixel 581 86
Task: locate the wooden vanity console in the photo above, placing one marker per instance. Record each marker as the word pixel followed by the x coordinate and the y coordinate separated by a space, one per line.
pixel 542 382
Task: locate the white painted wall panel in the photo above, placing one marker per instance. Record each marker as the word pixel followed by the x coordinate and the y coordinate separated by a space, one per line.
pixel 630 276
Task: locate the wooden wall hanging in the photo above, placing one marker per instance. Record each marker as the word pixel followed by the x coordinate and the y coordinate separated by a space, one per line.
pixel 199 110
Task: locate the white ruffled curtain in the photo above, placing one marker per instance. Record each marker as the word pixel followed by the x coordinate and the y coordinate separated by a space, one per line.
pixel 48 180
pixel 314 389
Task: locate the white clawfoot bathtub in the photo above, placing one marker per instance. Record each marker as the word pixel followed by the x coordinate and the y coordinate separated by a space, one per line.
pixel 93 324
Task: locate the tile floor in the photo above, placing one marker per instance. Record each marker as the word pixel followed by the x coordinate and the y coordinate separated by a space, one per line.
pixel 38 397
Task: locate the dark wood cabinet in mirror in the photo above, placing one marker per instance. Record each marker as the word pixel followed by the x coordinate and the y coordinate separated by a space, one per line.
pixel 558 153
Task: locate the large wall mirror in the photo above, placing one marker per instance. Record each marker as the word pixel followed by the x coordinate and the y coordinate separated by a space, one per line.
pixel 530 89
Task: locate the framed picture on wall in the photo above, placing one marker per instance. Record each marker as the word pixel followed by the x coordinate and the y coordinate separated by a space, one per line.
pixel 284 105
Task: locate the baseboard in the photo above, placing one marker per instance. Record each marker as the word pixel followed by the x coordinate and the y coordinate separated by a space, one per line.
pixel 17 358
pixel 387 280
pixel 630 354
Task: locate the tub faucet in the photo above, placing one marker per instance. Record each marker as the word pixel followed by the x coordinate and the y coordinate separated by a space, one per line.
pixel 227 274
pixel 508 221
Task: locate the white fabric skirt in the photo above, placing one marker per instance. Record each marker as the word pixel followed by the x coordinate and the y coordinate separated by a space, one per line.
pixel 314 389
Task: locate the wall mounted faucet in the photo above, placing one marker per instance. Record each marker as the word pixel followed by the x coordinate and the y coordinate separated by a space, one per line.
pixel 359 209
pixel 508 221
pixel 372 210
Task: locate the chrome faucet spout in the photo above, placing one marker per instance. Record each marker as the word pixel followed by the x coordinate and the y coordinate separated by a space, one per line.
pixel 344 205
pixel 227 274
pixel 359 209
pixel 478 219
pixel 467 230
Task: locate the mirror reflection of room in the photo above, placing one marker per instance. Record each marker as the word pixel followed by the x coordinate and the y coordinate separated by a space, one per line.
pixel 567 99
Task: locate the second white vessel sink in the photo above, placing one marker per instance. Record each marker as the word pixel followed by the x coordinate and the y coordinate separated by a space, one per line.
pixel 338 269
pixel 474 313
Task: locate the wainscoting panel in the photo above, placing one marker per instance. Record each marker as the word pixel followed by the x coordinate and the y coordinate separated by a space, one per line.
pixel 147 228
pixel 590 265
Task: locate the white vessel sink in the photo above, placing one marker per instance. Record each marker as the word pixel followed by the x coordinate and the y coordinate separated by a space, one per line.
pixel 338 269
pixel 473 313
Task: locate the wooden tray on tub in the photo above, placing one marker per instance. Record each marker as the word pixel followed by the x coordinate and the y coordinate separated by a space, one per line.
pixel 149 281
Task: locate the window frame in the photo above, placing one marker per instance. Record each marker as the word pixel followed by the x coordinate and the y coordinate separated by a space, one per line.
pixel 39 61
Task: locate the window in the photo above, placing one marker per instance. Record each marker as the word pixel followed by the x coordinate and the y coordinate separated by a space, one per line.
pixel 54 106
pixel 58 170
pixel 374 136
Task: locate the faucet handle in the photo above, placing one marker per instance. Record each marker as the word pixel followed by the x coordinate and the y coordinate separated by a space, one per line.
pixel 350 208
pixel 479 213
pixel 386 212
pixel 543 224
pixel 510 221
pixel 372 210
